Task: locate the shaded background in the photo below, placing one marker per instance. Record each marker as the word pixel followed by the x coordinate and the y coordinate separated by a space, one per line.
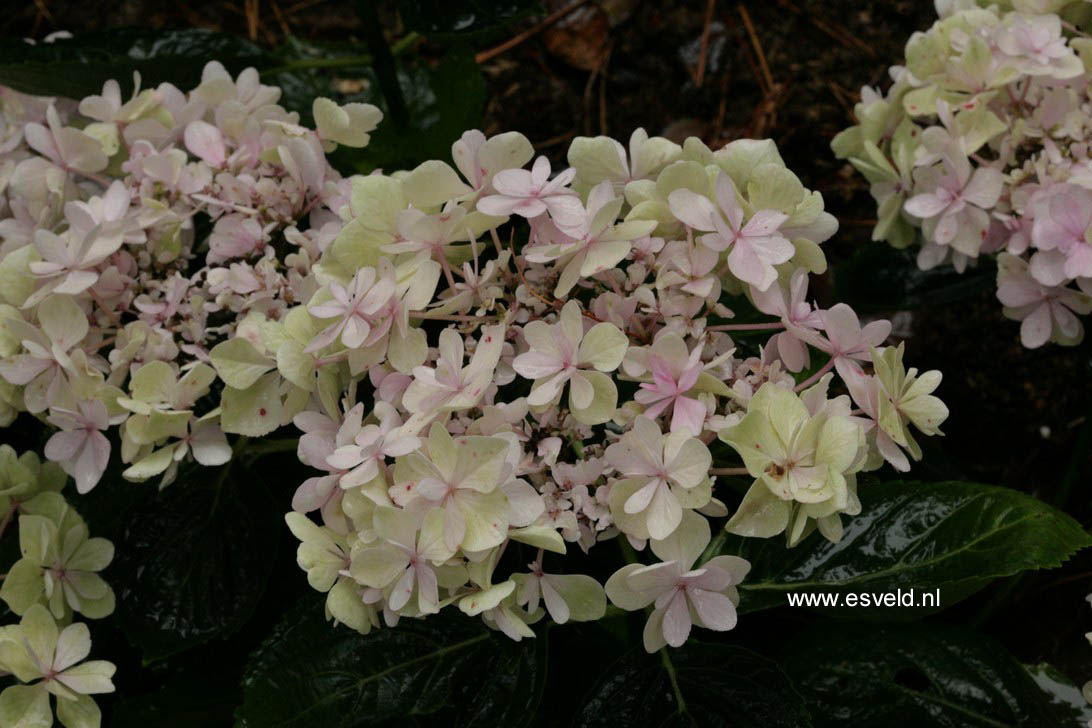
pixel 789 70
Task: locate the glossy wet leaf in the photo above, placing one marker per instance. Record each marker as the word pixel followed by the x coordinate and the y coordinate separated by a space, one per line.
pixel 880 278
pixel 306 69
pixel 197 695
pixel 193 560
pixel 916 675
pixel 1066 697
pixel 720 685
pixel 449 668
pixel 442 103
pixel 461 17
pixel 175 56
pixel 953 536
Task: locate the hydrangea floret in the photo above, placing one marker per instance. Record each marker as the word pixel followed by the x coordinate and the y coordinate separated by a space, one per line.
pixel 564 369
pixel 492 367
pixel 980 148
pixel 56 578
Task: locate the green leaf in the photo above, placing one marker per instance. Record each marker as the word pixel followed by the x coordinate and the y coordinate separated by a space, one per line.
pixel 719 685
pixel 198 694
pixel 447 667
pixel 443 17
pixel 916 675
pixel 302 70
pixel 175 56
pixel 1066 696
pixel 442 103
pixel 194 559
pixel 953 536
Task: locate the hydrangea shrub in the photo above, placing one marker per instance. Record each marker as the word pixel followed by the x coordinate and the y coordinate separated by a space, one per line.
pixel 492 368
pixel 980 148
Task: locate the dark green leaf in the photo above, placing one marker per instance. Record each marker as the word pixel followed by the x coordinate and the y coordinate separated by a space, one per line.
pixel 448 667
pixel 443 102
pixel 1066 696
pixel 914 676
pixel 719 685
pixel 193 561
pixel 305 70
pixel 76 67
pixel 195 696
pixel 922 536
pixel 461 17
pixel 881 278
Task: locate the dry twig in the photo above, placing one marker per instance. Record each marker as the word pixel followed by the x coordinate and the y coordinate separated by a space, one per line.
pixel 530 32
pixel 554 141
pixel 833 30
pixel 250 9
pixel 603 91
pixel 765 113
pixel 699 77
pixel 588 100
pixel 293 9
pixel 281 20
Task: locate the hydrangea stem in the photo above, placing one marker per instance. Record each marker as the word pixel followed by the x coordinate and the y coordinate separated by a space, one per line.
pixel 255 450
pixel 714 547
pixel 669 668
pixel 727 471
pixel 815 377
pixel 627 550
pixel 773 325
pixel 7 518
